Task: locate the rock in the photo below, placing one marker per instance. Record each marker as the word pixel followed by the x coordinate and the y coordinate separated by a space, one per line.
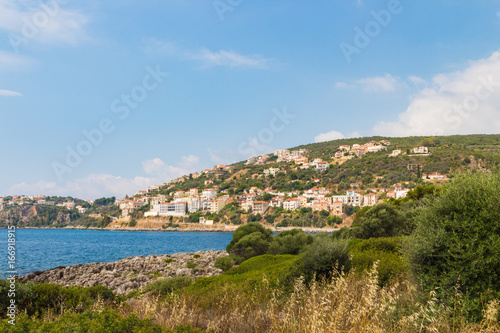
pixel 131 273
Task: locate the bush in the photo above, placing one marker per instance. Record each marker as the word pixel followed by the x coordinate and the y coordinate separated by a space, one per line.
pixel 132 223
pixel 247 229
pixel 343 233
pixel 224 263
pixel 36 299
pixel 324 255
pixel 290 242
pixel 254 244
pixel 391 264
pixel 383 220
pixel 168 285
pixel 457 239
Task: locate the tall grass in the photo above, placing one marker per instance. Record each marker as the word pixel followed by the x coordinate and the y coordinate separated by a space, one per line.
pixel 347 303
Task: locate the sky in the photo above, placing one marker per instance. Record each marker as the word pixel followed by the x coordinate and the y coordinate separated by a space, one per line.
pixel 102 98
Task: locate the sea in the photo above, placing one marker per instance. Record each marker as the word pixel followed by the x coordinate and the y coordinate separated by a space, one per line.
pixel 43 249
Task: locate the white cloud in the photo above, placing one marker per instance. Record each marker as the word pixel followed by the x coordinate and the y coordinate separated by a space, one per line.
pixel 329 136
pixel 11 61
pixel 190 161
pixel 418 82
pixel 341 84
pixel 206 57
pixel 98 185
pixel 462 102
pixel 380 83
pixel 48 23
pixel 9 93
pixel 230 59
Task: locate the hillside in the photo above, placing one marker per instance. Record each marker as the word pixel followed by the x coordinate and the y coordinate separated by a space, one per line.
pixel 356 172
pixel 312 185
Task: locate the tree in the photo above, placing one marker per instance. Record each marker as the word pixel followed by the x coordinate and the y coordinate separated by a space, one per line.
pixel 248 229
pixel 383 220
pixel 456 241
pixel 324 255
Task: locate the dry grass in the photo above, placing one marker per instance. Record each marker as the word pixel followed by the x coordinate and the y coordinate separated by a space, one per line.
pixel 346 304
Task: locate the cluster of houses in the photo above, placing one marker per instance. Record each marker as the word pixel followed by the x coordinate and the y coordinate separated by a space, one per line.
pixel 181 204
pixel 357 150
pixel 18 200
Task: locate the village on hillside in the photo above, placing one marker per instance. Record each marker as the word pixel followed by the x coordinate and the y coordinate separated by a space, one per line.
pixel 255 200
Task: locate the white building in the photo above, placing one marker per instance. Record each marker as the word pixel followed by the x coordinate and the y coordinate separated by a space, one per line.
pixel 370 199
pixel 194 204
pixel 209 194
pixel 321 166
pixel 172 209
pixel 291 204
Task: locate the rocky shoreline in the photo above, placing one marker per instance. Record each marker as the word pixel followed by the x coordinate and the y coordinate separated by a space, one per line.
pixel 132 273
pixel 188 229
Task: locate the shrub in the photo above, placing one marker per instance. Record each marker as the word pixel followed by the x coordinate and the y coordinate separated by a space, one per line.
pixel 248 229
pixel 391 264
pixel 191 265
pixel 290 242
pixel 168 285
pixel 324 255
pixel 251 245
pixel 457 239
pixel 224 263
pixel 132 223
pixel 343 233
pixel 196 256
pixel 36 299
pixel 383 220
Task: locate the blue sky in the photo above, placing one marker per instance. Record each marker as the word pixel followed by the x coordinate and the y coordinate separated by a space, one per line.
pixel 169 87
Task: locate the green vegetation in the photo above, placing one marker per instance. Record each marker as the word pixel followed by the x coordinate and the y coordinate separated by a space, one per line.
pixel 166 286
pixel 456 243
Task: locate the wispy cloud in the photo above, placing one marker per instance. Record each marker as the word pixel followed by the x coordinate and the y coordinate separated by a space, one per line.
pixel 206 57
pixel 461 102
pixel 9 93
pixel 380 83
pixel 54 24
pixel 329 136
pixel 386 83
pixel 97 185
pixel 10 61
pixel 334 135
pixel 343 85
pixel 230 59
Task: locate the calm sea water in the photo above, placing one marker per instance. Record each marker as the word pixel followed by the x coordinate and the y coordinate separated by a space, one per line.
pixel 38 250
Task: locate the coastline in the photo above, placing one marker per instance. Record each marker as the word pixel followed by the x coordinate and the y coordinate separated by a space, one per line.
pixel 131 273
pixel 184 227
